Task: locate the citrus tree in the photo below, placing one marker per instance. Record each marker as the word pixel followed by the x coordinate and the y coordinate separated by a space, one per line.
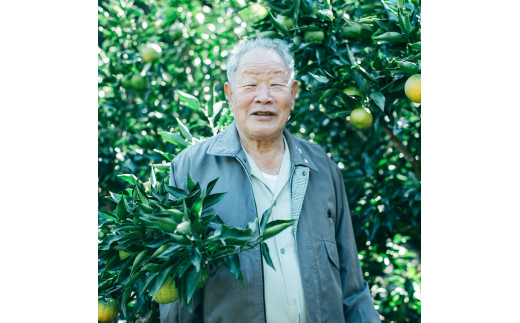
pixel 161 76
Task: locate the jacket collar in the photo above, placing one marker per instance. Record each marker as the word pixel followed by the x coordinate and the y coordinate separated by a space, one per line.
pixel 227 143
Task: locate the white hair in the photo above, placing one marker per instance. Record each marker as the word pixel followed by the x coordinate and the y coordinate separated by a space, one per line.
pixel 280 46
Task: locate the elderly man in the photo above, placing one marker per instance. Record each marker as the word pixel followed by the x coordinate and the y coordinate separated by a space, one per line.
pixel 317 275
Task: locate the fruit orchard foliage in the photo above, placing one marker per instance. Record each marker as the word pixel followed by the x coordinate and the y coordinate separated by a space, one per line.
pixel 373 46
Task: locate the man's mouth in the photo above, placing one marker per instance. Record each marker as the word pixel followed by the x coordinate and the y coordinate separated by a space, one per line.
pixel 263 114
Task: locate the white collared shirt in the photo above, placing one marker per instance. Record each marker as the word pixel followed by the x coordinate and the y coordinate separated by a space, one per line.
pixel 283 289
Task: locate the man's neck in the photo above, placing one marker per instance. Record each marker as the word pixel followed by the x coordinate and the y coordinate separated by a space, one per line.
pixel 267 154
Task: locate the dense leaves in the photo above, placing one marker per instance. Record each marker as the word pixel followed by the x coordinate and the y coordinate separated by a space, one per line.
pixel 153 236
pixel 348 54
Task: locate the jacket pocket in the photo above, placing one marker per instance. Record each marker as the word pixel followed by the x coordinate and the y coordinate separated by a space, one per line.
pixel 332 252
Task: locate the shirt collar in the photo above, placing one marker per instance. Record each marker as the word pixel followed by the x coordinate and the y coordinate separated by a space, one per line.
pixel 227 143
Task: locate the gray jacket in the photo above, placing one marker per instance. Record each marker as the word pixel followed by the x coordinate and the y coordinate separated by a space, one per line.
pixel 333 284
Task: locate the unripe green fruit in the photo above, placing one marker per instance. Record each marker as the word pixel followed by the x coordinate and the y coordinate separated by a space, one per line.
pixel 203 280
pixel 360 118
pixel 175 31
pixel 286 21
pixel 314 36
pixel 138 82
pixel 151 53
pixel 126 81
pixel 184 227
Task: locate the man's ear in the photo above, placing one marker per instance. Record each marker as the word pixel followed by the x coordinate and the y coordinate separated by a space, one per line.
pixel 294 92
pixel 229 92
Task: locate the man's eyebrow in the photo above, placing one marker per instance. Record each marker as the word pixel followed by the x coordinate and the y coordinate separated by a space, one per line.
pixel 274 72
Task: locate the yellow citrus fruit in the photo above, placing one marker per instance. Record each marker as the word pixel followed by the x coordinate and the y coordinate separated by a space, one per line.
pixel 107 310
pixel 168 293
pixel 360 118
pixel 412 88
pixel 124 254
pixel 151 53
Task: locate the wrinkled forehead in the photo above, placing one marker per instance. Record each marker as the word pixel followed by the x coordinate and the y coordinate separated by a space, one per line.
pixel 262 60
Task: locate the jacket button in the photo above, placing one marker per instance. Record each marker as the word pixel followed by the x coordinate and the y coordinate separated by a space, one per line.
pixel 282 251
pixel 304 173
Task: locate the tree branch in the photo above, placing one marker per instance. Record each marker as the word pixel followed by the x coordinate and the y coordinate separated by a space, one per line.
pixel 416 164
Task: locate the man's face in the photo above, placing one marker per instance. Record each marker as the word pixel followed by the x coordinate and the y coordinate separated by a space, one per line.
pixel 263 95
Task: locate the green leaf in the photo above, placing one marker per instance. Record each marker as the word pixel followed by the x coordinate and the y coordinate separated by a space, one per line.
pixel 159 241
pixel 133 278
pixel 265 254
pixel 148 281
pixel 142 195
pixel 236 236
pixel 274 227
pixel 165 224
pixel 166 156
pixel 233 264
pixel 175 192
pixel 327 94
pixel 185 132
pixel 173 138
pixel 321 79
pixel 173 251
pixel 115 197
pixel 379 99
pixel 408 67
pixel 144 208
pixel 211 185
pixel 212 199
pixel 404 22
pixel 189 100
pixel 365 73
pixel 276 23
pixel 351 56
pixel 160 279
pixel 124 300
pixel 265 217
pixel 137 262
pixel 400 4
pixel 130 178
pixel 105 215
pixel 196 258
pixel 416 46
pixel 192 277
pixel 175 214
pixel 190 183
pixel 122 209
pixel 390 36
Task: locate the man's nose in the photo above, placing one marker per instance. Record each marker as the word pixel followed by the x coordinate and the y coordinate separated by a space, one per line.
pixel 263 94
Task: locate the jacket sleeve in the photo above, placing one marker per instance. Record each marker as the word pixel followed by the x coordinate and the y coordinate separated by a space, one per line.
pixel 357 300
pixel 173 312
